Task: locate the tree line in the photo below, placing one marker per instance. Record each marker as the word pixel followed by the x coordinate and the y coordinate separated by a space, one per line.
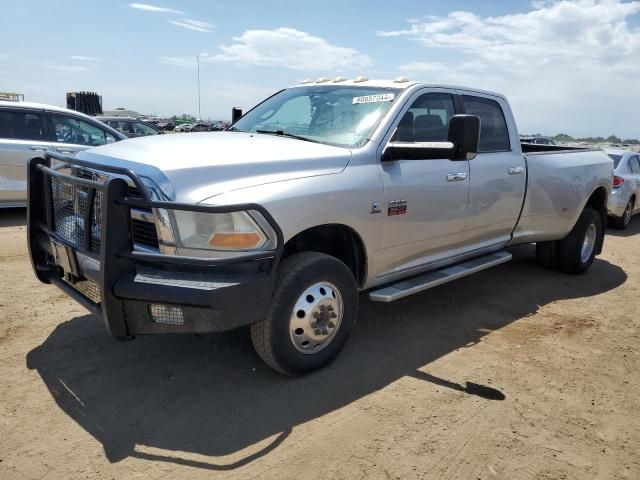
pixel 563 137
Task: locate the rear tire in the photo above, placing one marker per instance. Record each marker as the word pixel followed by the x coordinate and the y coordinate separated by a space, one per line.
pixel 314 308
pixel 623 222
pixel 577 250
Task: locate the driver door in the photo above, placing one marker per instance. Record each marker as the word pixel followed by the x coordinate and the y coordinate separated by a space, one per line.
pixel 425 201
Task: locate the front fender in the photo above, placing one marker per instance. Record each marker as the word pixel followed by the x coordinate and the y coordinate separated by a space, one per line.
pixel 344 198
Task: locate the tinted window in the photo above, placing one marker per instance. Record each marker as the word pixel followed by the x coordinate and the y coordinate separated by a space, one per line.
pixel 120 125
pixel 635 164
pixel 140 128
pixel 427 120
pixel 616 159
pixel 67 129
pixel 21 125
pixel 494 134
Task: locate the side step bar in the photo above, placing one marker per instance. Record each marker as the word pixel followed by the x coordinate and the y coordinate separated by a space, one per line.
pixel 404 288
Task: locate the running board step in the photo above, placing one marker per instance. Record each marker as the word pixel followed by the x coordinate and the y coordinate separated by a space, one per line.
pixel 404 288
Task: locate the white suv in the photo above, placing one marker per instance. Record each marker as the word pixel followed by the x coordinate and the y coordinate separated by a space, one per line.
pixel 28 129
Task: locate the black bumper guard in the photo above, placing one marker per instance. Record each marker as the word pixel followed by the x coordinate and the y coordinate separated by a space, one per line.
pixel 213 294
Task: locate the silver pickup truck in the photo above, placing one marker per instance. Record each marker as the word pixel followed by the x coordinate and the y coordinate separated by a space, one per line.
pixel 322 191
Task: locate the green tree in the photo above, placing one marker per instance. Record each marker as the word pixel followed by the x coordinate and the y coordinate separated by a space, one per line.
pixel 184 118
pixel 563 137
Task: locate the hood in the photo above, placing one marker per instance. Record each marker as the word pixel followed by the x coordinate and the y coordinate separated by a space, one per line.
pixel 191 167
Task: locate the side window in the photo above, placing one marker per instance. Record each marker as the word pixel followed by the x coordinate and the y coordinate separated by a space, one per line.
pixel 141 129
pixel 427 120
pixel 634 163
pixel 494 134
pixel 68 129
pixel 122 126
pixel 18 125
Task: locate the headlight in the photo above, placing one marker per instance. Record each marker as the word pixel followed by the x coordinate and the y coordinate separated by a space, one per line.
pixel 236 231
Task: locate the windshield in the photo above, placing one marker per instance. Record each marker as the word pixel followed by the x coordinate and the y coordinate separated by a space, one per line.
pixel 343 116
pixel 616 159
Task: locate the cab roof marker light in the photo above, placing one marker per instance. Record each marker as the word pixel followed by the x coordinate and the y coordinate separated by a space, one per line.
pixel 360 79
pixel 322 80
pixel 400 80
pixel 306 80
pixel 340 79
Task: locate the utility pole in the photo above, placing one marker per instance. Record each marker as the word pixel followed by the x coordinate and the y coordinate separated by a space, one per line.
pixel 198 61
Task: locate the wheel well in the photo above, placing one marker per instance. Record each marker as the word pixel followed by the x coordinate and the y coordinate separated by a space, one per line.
pixel 336 240
pixel 598 199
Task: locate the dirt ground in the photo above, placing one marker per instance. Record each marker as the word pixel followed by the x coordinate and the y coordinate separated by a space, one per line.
pixel 515 373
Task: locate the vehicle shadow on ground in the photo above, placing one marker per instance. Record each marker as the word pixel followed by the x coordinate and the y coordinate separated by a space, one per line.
pixel 631 230
pixel 13 217
pixel 157 397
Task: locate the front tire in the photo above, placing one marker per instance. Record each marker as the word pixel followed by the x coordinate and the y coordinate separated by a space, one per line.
pixel 314 308
pixel 577 250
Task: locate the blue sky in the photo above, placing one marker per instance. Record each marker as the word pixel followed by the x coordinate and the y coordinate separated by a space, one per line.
pixel 570 66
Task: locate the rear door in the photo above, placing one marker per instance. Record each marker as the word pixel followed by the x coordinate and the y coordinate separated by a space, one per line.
pixel 498 174
pixel 71 134
pixel 22 137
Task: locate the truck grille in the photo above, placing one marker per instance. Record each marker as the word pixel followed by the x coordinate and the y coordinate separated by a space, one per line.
pixel 70 208
pixel 88 288
pixel 70 205
pixel 144 233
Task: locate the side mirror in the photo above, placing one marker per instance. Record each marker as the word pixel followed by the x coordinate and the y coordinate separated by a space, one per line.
pixel 464 133
pixel 462 144
pixel 111 140
pixel 236 113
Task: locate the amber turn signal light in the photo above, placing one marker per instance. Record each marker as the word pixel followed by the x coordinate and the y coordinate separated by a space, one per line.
pixel 234 240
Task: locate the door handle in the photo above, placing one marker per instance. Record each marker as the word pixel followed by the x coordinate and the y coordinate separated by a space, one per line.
pixel 64 150
pixel 456 177
pixel 516 170
pixel 37 148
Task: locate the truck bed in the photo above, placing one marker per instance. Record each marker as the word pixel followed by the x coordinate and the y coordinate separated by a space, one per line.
pixel 535 148
pixel 560 179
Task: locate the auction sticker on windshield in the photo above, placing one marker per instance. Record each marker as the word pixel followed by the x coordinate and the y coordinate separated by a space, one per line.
pixel 381 97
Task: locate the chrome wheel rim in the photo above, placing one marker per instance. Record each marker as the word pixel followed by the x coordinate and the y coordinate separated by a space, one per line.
pixel 589 243
pixel 316 318
pixel 627 213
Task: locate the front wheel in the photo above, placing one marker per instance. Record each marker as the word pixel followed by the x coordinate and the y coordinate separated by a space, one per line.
pixel 315 305
pixel 577 250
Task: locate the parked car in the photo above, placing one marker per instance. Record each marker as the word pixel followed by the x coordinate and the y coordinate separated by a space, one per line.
pixel 167 126
pixel 182 127
pixel 623 202
pixel 131 127
pixel 198 127
pixel 538 140
pixel 28 129
pixel 218 126
pixel 320 192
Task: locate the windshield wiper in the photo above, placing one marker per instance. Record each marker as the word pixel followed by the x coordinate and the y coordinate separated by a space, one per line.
pixel 282 133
